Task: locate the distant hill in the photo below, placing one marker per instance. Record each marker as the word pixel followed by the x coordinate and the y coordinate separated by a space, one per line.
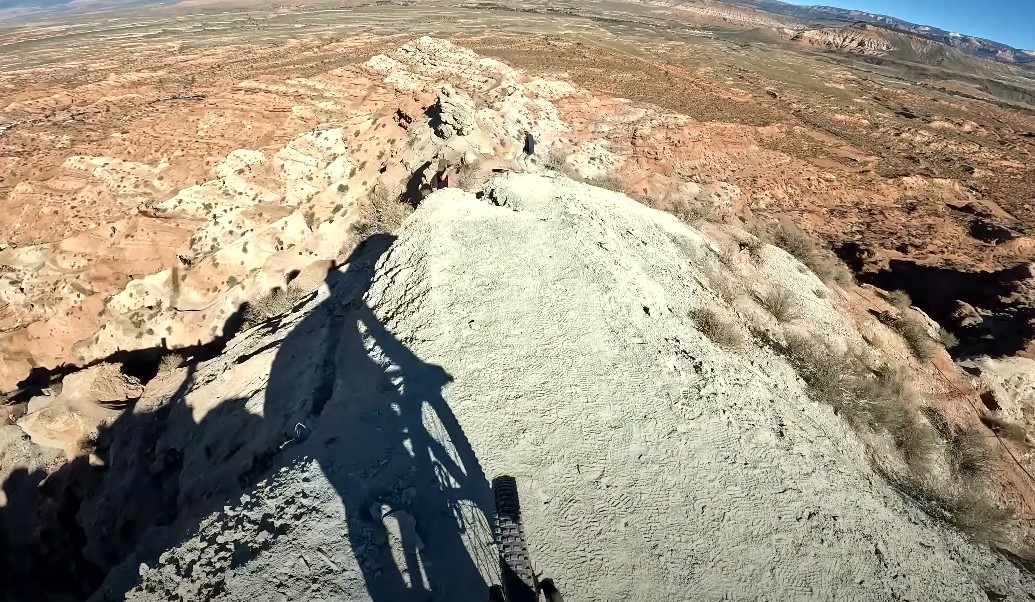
pixel 829 15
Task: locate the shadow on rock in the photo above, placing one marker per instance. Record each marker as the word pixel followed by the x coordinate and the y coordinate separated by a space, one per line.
pixel 342 390
pixel 992 313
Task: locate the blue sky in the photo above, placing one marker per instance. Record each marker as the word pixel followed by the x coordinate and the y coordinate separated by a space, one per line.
pixel 1008 21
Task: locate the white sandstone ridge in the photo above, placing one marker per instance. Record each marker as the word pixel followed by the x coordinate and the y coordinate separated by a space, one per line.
pixel 261 215
pixel 539 331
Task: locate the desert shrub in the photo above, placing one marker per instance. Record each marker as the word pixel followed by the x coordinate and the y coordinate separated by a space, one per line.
pixel 382 213
pixel 900 300
pixel 754 246
pixel 728 289
pixel 780 303
pixel 836 271
pixel 949 340
pixel 556 159
pixel 610 182
pixel 272 304
pixel 694 212
pixel 169 362
pixel 795 242
pixel 826 267
pixel 1005 428
pixel 882 400
pixel 968 456
pixel 914 332
pixel 721 331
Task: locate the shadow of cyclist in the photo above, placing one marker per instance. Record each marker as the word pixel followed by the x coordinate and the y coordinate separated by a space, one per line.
pixel 342 390
pixel 414 493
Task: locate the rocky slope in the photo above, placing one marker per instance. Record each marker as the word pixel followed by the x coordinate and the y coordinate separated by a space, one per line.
pixel 121 257
pixel 543 330
pixel 718 12
pixel 861 40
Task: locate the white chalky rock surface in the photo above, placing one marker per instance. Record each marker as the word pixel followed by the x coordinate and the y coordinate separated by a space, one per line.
pixel 546 326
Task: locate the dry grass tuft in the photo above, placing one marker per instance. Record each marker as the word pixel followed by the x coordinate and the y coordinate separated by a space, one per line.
pixel 383 213
pixel 169 362
pixel 910 327
pixel 795 242
pixel 754 246
pixel 694 213
pixel 272 304
pixel 1005 428
pixel 804 249
pixel 884 400
pixel 836 271
pixel 780 303
pixel 721 331
pixel 913 331
pixel 556 159
pixel 728 289
pixel 949 340
pixel 937 419
pixel 824 372
pixel 975 513
pixel 610 182
pixel 900 300
pixel 918 442
pixel 969 458
pixel 970 509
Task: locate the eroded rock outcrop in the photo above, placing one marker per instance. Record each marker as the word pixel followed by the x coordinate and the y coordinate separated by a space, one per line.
pixel 454 114
pixel 859 39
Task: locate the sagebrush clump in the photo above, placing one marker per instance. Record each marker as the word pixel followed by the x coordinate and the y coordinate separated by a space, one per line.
pixel 383 213
pixel 272 304
pixel 723 332
pixel 610 182
pixel 915 334
pixel 169 362
pixel 556 159
pixel 780 303
pixel 804 249
pixel 883 401
pixel 910 326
